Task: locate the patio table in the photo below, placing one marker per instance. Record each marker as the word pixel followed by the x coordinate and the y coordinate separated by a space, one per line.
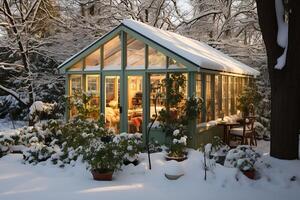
pixel 227 126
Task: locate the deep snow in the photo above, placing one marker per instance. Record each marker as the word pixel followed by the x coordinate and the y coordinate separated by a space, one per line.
pixel 46 181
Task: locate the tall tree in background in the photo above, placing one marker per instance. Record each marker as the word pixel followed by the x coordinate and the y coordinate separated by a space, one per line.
pixel 285 83
pixel 24 24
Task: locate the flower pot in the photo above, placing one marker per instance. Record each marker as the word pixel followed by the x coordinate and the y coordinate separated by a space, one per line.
pixel 100 176
pixel 178 159
pixel 250 174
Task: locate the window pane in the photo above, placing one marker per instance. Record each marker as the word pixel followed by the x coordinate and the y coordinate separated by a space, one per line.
pixel 135 53
pixel 92 61
pixel 77 67
pixel 75 85
pixel 231 96
pixel 112 102
pixel 199 94
pixel 173 64
pixel 156 83
pixel 112 54
pixel 135 104
pixel 93 87
pixel 225 95
pixel 208 100
pixel 157 60
pixel 218 97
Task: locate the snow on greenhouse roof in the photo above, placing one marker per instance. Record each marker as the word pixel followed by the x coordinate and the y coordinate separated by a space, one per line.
pixel 192 50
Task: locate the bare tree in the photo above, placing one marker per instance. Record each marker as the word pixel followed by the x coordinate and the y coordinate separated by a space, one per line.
pixel 25 23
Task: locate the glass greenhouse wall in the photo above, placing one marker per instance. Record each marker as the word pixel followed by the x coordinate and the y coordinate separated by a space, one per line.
pixel 123 71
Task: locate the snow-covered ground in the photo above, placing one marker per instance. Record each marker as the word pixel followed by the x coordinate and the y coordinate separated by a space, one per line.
pixel 46 181
pixel 7 126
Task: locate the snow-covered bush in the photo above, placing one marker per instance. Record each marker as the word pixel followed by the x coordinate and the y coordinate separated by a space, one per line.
pixel 131 144
pixel 7 142
pixel 104 154
pixel 218 150
pixel 44 132
pixel 178 144
pixel 154 146
pixel 46 141
pixel 39 108
pixel 242 157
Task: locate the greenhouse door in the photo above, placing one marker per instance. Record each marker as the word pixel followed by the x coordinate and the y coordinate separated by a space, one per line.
pixel 135 102
pixel 124 102
pixel 112 102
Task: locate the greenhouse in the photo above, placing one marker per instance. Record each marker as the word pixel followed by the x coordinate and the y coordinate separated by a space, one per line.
pixel 125 70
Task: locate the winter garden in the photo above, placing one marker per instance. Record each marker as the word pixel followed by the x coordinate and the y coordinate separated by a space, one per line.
pixel 98 100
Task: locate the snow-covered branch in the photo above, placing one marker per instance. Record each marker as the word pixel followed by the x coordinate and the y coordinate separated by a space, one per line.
pixel 14 94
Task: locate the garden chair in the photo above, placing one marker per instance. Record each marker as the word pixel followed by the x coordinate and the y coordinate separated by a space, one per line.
pixel 246 132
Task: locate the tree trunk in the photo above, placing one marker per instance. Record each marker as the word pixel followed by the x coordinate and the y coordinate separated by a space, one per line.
pixel 285 83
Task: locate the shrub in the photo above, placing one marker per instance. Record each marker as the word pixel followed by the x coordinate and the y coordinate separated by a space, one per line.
pixel 132 145
pixel 178 144
pixel 104 154
pixel 218 149
pixel 243 157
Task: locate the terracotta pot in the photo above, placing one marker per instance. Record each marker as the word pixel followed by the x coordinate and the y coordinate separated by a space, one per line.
pixel 250 174
pixel 107 176
pixel 178 159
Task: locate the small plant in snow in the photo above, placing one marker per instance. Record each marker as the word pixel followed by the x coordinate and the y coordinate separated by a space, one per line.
pixel 178 144
pixel 208 163
pixel 218 150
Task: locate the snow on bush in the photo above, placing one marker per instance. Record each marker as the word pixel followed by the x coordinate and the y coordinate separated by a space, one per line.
pixel 131 144
pixel 63 143
pixel 38 108
pixel 242 157
pixel 178 144
pixel 216 150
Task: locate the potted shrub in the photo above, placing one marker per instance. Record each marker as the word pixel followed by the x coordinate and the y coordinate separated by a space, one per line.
pixel 244 158
pixel 246 167
pixel 132 146
pixel 177 150
pixel 104 156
